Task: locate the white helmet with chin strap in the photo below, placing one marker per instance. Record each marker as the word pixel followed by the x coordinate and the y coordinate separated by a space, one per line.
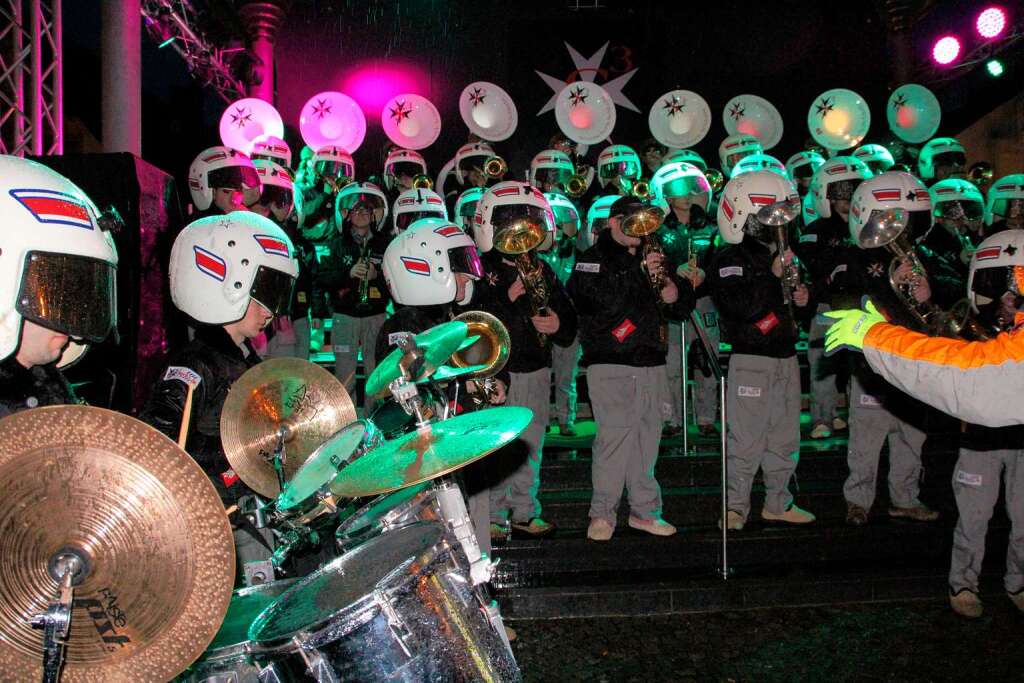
pixel 364 193
pixel 837 179
pixel 58 263
pixel 997 267
pixel 597 220
pixel 421 263
pixel 891 190
pixel 465 155
pixel 222 167
pixel 734 148
pixel 555 166
pixel 759 162
pixel 563 210
pixel 414 204
pixel 877 158
pixel 334 162
pixel 803 164
pixel 278 188
pixel 220 263
pixel 940 152
pixel 746 194
pixel 1003 195
pixel 402 162
pixel 681 179
pixel 509 201
pixel 465 207
pixel 618 160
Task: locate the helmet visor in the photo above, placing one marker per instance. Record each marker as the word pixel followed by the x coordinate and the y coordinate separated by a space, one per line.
pixel 367 200
pixel 468 208
pixel 565 214
pixel 234 177
pixel 503 217
pixel 685 186
pixel 275 195
pixel 991 283
pixel 949 159
pixel 736 157
pixel 877 166
pixel 626 169
pixel 404 220
pixel 466 260
pixel 333 169
pixel 842 189
pixel 273 289
pixel 1008 208
pixel 555 176
pixel 73 295
pixel 803 172
pixel 404 168
pixel 959 210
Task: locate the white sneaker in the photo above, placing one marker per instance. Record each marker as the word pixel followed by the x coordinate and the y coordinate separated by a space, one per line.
pixel 655 526
pixel 600 529
pixel 820 431
pixel 733 520
pixel 967 604
pixel 793 515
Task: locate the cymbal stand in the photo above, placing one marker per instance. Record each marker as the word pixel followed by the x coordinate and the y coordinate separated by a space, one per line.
pixel 403 389
pixel 67 568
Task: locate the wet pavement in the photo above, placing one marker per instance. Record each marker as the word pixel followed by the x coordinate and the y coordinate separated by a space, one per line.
pixel 894 642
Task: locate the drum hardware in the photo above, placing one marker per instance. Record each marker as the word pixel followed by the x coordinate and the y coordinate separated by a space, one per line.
pixel 67 570
pixel 436 344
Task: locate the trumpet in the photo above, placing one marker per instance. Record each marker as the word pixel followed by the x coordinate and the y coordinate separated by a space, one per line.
pixel 422 182
pixel 491 350
pixel 576 186
pixel 495 167
pixel 517 239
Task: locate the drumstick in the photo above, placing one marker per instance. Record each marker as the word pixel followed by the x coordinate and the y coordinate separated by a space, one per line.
pixel 186 417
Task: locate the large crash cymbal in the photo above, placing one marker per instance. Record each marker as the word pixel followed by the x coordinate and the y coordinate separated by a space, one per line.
pixel 438 344
pixel 308 402
pixel 157 545
pixel 440 448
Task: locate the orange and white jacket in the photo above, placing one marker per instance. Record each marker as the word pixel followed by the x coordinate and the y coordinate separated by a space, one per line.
pixel 979 382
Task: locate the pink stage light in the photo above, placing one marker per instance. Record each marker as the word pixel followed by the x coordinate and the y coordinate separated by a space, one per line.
pixel 946 50
pixel 373 84
pixel 991 22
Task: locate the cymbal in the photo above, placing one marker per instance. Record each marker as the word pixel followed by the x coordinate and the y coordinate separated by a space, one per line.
pixel 447 373
pixel 440 448
pixel 158 547
pixel 308 402
pixel 438 344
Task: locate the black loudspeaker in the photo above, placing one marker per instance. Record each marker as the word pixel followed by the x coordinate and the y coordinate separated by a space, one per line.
pixel 119 373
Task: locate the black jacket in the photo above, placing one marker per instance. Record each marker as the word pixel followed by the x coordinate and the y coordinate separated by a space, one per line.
pixel 341 288
pixel 307 296
pixel 21 388
pixel 218 361
pixel 828 254
pixel 677 240
pixel 491 294
pixel 748 296
pixel 620 318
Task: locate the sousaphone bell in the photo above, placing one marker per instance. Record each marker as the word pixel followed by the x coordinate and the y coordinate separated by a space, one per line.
pixel 585 112
pixel 411 121
pixel 332 118
pixel 755 116
pixel 838 119
pixel 913 113
pixel 246 120
pixel 488 111
pixel 679 119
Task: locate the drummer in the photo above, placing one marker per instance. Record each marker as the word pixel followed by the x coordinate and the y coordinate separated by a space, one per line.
pixel 231 275
pixel 52 258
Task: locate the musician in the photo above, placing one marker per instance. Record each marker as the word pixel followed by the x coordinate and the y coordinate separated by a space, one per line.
pixel 685 236
pixel 531 301
pixel 271 148
pixel 825 249
pixel 331 168
pixel 1004 209
pixel 736 147
pixel 412 205
pixel 764 378
pixel 977 382
pixel 652 152
pixel 400 170
pixel 470 160
pixel 231 275
pixel 941 158
pixel 622 321
pixel 551 171
pixel 959 212
pixel 878 412
pixel 58 275
pixel 801 168
pixel 465 208
pixel 222 180
pixel 618 168
pixel 352 277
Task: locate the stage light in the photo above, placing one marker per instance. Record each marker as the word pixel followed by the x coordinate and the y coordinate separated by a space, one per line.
pixel 946 50
pixel 991 22
pixel 995 68
pixel 167 42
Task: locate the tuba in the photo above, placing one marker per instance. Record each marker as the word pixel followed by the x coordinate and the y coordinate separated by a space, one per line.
pixel 422 182
pixel 491 350
pixel 517 239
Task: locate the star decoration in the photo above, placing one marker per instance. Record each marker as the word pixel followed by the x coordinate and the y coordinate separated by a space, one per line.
pixel 875 269
pixel 241 117
pixel 587 69
pixel 736 111
pixel 477 96
pixel 492 279
pixel 322 108
pixel 900 101
pixel 578 96
pixel 826 105
pixel 1010 250
pixel 400 112
pixel 673 106
pixel 912 195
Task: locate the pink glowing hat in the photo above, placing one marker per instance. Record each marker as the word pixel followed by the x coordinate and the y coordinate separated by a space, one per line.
pixel 411 121
pixel 247 119
pixel 332 118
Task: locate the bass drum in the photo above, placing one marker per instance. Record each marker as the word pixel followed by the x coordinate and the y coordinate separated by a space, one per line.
pixel 397 608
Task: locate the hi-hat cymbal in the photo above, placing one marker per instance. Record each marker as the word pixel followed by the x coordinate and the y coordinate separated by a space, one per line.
pixel 440 448
pixel 152 530
pixel 438 344
pixel 303 399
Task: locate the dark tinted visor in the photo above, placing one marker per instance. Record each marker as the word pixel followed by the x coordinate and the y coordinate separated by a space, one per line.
pixel 404 220
pixel 408 168
pixel 73 295
pixel 627 169
pixel 369 201
pixel 960 210
pixel 333 169
pixel 503 216
pixel 949 159
pixel 235 177
pixel 556 176
pixel 878 166
pixel 1008 208
pixel 466 260
pixel 277 196
pixel 992 283
pixel 467 209
pixel 920 223
pixel 476 161
pixel 803 172
pixel 273 289
pixel 842 189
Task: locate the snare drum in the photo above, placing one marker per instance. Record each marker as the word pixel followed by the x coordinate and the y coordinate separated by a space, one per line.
pixel 397 608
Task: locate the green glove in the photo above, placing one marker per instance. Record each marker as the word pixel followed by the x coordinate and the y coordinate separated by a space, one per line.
pixel 850 327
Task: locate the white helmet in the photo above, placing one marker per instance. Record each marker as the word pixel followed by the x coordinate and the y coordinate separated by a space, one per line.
pixel 508 201
pixel 365 193
pixel 1001 194
pixel 278 188
pixel 617 160
pixel 680 179
pixel 837 178
pixel 53 247
pixel 463 157
pixel 557 167
pixel 334 162
pixel 414 204
pixel 744 195
pixel 402 162
pixel 597 220
pixel 759 162
pixel 685 155
pixel 891 190
pixel 465 207
pixel 272 149
pixel 803 164
pixel 222 167
pixel 735 147
pixel 1003 251
pixel 220 263
pixel 958 200
pixel 878 158
pixel 420 264
pixel 563 210
pixel 940 152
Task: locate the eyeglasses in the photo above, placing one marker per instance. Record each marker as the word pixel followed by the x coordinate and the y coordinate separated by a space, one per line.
pixel 360 209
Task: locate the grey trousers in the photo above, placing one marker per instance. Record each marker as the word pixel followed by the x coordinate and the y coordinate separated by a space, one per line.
pixel 870 425
pixel 348 335
pixel 976 487
pixel 291 341
pixel 824 395
pixel 517 490
pixel 564 363
pixel 705 395
pixel 764 429
pixel 627 409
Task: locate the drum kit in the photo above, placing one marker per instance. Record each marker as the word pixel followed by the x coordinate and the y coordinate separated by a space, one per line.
pixel 118 553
